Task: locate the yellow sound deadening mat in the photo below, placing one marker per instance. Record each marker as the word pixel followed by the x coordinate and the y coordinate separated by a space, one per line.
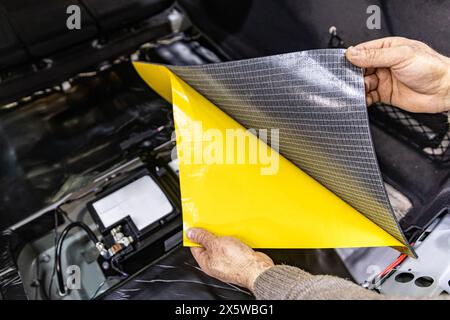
pixel 319 187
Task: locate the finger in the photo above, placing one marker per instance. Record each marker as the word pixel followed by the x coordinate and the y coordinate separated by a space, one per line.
pixel 372 97
pixel 368 100
pixel 200 236
pixel 385 85
pixel 200 255
pixel 386 43
pixel 378 58
pixel 370 82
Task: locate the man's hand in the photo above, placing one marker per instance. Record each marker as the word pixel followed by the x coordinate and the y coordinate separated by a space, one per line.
pixel 228 259
pixel 405 73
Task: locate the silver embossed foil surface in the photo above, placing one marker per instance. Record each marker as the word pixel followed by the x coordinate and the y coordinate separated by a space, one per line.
pixel 317 101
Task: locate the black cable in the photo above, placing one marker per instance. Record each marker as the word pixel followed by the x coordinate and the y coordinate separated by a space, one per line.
pixel 58 241
pixel 92 237
pixel 117 268
pixel 64 213
pixel 55 230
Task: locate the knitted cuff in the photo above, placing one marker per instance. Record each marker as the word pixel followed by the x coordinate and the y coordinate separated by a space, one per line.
pixel 275 282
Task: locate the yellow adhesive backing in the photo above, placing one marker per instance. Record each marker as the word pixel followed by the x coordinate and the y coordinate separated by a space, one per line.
pixel 287 209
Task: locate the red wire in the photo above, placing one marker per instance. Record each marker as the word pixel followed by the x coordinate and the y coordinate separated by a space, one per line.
pixel 393 264
pixel 397 261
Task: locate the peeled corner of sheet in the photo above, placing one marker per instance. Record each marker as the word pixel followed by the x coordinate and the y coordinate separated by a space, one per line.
pixel 157 77
pixel 282 208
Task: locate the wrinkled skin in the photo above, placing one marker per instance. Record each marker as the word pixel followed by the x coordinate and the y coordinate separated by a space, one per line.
pixel 228 259
pixel 404 73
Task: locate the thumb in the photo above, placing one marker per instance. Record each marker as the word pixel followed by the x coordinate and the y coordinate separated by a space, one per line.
pixel 200 236
pixel 378 57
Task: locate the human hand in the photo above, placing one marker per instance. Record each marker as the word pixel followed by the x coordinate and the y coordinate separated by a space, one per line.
pixel 228 259
pixel 404 73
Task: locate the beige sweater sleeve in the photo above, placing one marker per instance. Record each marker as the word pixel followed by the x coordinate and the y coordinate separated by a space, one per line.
pixel 290 283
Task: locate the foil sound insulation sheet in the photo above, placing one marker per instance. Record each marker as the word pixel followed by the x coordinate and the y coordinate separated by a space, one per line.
pixel 316 99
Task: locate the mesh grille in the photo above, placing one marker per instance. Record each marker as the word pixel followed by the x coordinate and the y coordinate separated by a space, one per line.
pixel 432 140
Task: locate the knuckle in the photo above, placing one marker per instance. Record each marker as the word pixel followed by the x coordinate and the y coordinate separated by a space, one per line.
pixel 400 39
pixel 222 251
pixel 227 239
pixel 215 244
pixel 419 44
pixel 203 237
pixel 408 51
pixel 371 54
pixel 198 237
pixel 226 250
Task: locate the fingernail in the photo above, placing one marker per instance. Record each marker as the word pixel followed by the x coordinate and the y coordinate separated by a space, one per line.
pixel 354 52
pixel 190 233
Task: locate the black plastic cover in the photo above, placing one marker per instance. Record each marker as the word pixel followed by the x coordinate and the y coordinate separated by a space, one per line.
pixel 247 28
pixel 113 14
pixel 42 26
pixel 11 50
pixel 39 27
